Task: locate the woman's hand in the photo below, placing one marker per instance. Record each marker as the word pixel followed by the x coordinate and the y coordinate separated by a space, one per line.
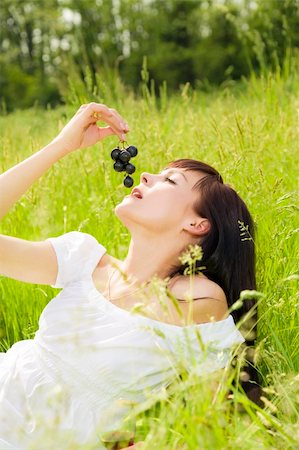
pixel 82 131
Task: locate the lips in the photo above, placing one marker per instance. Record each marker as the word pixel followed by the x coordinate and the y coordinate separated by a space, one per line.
pixel 136 193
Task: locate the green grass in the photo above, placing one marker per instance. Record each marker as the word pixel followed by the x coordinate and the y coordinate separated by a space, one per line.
pixel 250 134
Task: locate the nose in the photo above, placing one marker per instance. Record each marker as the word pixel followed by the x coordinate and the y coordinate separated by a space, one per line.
pixel 145 177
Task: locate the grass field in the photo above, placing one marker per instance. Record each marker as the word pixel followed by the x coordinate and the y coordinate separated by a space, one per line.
pixel 250 133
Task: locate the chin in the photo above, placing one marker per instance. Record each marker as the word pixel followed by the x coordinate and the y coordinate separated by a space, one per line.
pixel 127 218
pixel 116 210
pixel 120 213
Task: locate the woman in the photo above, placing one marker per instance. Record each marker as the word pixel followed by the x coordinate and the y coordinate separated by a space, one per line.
pixel 92 359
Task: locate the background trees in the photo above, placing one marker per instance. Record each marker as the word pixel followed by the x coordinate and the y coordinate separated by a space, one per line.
pixel 203 42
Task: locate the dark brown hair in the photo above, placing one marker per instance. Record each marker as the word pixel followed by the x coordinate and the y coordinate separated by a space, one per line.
pixel 228 251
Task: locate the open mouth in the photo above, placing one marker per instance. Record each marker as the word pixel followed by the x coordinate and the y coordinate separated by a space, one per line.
pixel 136 195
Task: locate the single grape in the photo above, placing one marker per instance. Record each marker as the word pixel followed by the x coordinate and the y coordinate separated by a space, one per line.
pixel 132 150
pixel 115 154
pixel 118 166
pixel 128 181
pixel 125 156
pixel 130 168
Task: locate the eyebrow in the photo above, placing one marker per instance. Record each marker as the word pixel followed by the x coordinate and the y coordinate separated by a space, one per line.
pixel 175 171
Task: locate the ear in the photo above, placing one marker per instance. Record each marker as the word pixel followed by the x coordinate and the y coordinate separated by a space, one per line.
pixel 199 227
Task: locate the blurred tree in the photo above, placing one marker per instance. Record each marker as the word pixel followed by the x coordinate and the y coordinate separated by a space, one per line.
pixel 273 28
pixel 203 42
pixel 219 55
pixel 166 34
pixel 26 31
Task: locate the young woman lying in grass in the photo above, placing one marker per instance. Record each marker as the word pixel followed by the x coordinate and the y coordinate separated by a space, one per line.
pixel 110 337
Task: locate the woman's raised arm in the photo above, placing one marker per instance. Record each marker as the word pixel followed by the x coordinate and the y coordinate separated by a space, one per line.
pixel 15 181
pixel 80 132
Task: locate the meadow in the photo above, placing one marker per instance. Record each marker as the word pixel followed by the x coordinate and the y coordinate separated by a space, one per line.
pixel 250 133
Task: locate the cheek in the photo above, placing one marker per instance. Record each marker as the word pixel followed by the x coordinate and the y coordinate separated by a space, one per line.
pixel 162 209
pixel 158 212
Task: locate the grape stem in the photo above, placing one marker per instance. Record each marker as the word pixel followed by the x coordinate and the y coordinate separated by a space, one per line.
pixel 123 143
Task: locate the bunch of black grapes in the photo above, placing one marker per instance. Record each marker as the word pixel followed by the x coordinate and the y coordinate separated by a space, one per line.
pixel 122 164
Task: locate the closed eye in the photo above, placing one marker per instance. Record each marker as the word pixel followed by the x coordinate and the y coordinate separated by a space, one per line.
pixel 171 181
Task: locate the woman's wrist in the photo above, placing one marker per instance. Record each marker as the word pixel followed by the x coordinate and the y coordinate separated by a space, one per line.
pixel 59 147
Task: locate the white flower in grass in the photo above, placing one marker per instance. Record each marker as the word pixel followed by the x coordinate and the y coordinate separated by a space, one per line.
pixel 193 254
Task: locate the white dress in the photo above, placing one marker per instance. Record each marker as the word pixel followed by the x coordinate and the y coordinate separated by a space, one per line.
pixel 91 361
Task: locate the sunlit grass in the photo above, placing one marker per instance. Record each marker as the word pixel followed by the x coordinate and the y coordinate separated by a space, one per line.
pixel 251 136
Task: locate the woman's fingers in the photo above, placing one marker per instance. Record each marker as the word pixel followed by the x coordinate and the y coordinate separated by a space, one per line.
pixel 112 129
pixel 112 121
pixel 95 110
pixel 116 123
pixel 122 121
pixel 98 108
pixel 92 112
pixel 98 111
pixel 82 107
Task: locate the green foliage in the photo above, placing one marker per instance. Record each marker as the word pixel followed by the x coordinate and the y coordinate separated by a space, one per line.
pixel 250 133
pixel 62 49
pixel 105 88
pixel 21 89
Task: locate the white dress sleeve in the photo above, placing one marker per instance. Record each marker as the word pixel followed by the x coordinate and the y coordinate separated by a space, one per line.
pixel 75 253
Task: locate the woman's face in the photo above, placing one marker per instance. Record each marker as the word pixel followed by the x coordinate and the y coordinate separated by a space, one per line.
pixel 166 202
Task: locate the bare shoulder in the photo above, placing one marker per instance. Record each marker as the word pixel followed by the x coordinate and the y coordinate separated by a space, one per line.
pixel 198 287
pixel 208 298
pixel 107 260
pixel 100 274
